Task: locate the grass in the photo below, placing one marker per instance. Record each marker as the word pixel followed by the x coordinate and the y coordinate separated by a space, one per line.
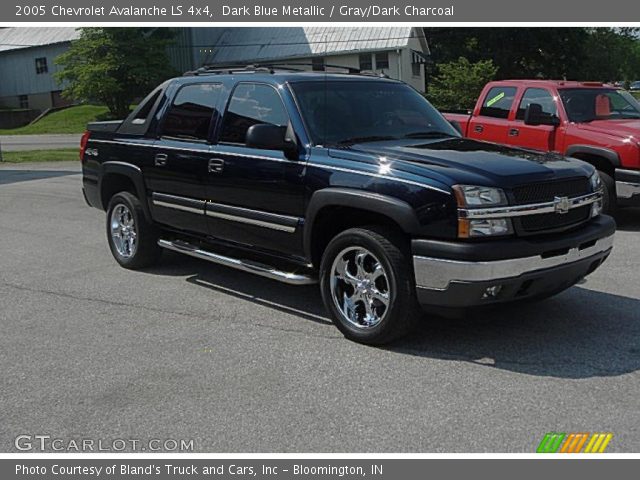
pixel 636 94
pixel 69 120
pixel 59 155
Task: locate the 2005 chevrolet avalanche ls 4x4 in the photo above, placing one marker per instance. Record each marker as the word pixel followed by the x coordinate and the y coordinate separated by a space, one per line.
pixel 351 180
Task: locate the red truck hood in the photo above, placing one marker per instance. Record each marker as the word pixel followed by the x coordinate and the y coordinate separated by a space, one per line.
pixel 620 128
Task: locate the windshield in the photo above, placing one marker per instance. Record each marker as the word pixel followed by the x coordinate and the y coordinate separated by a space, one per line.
pixel 346 112
pixel 588 104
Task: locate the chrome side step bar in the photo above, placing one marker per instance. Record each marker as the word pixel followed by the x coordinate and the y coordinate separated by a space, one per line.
pixel 244 265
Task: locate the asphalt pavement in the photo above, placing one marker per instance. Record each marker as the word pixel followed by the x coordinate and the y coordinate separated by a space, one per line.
pixel 15 143
pixel 190 350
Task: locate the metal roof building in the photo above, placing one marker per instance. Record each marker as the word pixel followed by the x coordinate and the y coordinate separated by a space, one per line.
pixel 27 54
pixel 27 65
pixel 398 51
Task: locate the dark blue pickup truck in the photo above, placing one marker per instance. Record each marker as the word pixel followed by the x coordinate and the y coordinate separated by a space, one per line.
pixel 350 180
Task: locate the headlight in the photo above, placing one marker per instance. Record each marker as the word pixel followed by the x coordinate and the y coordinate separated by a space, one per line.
pixel 596 186
pixel 470 197
pixel 475 196
pixel 596 183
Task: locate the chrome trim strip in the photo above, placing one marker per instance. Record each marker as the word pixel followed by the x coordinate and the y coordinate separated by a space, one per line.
pixel 634 173
pixel 134 144
pixel 250 221
pixel 249 211
pixel 378 175
pixel 246 155
pixel 165 200
pixel 178 203
pixel 214 151
pixel 627 190
pixel 175 206
pixel 530 209
pixel 244 265
pixel 437 273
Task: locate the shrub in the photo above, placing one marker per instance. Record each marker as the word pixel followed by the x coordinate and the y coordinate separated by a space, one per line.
pixel 458 84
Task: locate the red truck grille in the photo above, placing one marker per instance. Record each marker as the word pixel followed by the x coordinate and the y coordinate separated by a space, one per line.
pixel 546 192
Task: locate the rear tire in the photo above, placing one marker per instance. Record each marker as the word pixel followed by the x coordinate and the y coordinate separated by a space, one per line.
pixel 368 286
pixel 132 239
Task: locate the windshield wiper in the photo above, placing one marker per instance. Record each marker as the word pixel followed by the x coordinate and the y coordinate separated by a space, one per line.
pixel 430 134
pixel 369 138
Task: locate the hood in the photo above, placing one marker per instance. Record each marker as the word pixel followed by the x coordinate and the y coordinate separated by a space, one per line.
pixel 620 128
pixel 459 160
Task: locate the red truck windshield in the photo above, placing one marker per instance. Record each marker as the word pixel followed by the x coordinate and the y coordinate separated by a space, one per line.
pixel 344 112
pixel 589 104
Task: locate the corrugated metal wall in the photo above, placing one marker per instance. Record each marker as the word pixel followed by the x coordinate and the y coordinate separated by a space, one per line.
pixel 18 70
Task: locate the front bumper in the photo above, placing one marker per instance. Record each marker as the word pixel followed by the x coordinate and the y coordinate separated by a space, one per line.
pixel 458 275
pixel 628 186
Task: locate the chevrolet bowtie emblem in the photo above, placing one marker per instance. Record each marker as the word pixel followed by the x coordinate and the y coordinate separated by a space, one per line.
pixel 561 204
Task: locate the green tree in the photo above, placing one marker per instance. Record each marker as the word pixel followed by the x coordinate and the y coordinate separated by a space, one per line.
pixel 458 83
pixel 574 53
pixel 114 66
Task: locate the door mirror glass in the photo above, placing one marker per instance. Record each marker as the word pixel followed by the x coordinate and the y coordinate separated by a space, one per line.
pixel 272 137
pixel 266 137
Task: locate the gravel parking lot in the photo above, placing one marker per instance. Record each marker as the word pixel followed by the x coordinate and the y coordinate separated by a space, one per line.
pixel 191 350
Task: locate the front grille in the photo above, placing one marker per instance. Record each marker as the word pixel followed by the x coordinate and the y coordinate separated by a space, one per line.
pixel 551 221
pixel 546 192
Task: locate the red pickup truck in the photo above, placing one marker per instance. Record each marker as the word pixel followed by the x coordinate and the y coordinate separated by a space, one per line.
pixel 595 122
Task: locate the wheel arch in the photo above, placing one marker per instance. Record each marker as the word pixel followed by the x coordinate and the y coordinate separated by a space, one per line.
pixel 121 176
pixel 601 158
pixel 328 210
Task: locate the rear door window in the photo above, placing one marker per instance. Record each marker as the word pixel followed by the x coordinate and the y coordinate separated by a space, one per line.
pixel 498 102
pixel 252 104
pixel 193 112
pixel 542 97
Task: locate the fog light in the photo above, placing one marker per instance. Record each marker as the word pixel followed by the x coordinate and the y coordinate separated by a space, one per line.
pixel 492 292
pixel 484 227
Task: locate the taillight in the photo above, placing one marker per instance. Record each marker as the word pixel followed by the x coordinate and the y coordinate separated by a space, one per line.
pixel 83 144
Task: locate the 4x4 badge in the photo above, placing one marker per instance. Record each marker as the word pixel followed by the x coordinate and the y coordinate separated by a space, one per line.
pixel 561 204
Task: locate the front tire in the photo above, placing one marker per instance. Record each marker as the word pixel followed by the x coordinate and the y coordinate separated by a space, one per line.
pixel 132 239
pixel 609 197
pixel 367 285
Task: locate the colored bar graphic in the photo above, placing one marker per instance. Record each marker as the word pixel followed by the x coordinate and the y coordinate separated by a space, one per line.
pixel 550 443
pixel 573 442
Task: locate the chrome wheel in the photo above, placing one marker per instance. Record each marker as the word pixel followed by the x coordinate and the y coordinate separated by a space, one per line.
pixel 359 287
pixel 123 231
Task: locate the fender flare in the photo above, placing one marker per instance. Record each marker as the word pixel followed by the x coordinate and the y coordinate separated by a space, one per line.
pixel 133 173
pixel 610 155
pixel 397 210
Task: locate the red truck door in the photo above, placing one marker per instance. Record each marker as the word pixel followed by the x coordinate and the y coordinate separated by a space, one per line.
pixel 490 120
pixel 538 137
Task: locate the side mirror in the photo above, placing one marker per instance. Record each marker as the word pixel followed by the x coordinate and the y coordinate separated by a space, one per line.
pixel 534 116
pixel 273 137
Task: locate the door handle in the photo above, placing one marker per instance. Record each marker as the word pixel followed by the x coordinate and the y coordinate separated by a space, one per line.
pixel 479 128
pixel 216 165
pixel 514 132
pixel 161 159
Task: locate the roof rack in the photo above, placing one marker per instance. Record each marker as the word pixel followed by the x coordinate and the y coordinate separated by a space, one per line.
pixel 273 68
